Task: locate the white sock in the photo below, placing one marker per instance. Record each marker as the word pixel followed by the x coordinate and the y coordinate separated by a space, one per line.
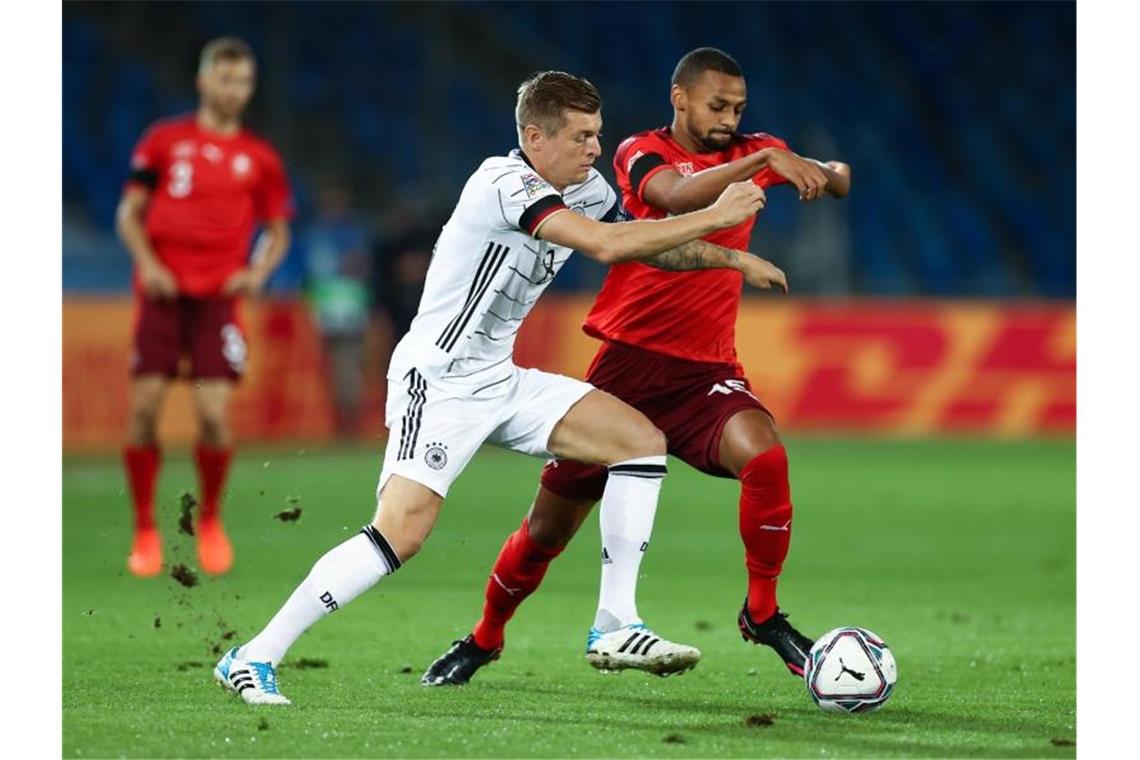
pixel 629 505
pixel 341 575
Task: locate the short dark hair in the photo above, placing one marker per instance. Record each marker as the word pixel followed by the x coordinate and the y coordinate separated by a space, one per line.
pixel 545 97
pixel 224 49
pixel 697 62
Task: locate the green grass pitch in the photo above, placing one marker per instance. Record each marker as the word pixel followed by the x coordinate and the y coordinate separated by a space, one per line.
pixel 960 553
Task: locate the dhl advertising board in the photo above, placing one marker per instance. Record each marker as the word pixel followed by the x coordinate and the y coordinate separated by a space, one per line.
pixel 855 367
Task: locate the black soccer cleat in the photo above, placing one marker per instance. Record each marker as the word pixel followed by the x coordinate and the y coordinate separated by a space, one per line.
pixel 459 663
pixel 778 633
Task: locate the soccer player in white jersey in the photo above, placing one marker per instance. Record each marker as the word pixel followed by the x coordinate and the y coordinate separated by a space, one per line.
pixel 453 386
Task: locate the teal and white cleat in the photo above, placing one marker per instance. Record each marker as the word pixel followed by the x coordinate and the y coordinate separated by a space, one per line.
pixel 254 682
pixel 635 647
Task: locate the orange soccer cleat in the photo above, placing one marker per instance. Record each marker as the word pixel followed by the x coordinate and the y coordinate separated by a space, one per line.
pixel 215 555
pixel 146 554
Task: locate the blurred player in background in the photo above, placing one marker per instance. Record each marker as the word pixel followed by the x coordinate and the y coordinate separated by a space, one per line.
pixel 199 184
pixel 669 351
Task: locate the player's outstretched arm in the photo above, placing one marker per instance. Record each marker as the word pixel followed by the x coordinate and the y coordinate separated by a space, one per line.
pixel 633 241
pixel 155 279
pixel 678 194
pixel 701 254
pixel 670 190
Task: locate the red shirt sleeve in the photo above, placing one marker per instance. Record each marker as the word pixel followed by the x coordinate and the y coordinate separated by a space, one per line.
pixel 274 199
pixel 766 177
pixel 146 160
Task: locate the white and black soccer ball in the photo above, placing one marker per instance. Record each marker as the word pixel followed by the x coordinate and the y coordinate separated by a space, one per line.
pixel 850 670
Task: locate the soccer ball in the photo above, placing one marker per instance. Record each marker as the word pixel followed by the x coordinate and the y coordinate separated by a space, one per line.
pixel 850 670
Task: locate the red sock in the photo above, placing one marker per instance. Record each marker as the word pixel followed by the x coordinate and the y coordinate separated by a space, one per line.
pixel 517 572
pixel 142 472
pixel 213 466
pixel 765 527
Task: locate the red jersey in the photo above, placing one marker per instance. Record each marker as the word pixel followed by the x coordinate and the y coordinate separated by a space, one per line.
pixel 691 315
pixel 208 191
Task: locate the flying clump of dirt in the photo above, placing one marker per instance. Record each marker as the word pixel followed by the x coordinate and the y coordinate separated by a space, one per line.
pixel 186 509
pixel 289 515
pixel 184 575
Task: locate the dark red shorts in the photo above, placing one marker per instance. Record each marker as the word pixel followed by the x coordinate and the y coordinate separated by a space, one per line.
pixel 690 402
pixel 206 330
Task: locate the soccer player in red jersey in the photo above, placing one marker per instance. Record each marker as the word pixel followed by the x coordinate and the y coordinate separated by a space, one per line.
pixel 669 351
pixel 199 184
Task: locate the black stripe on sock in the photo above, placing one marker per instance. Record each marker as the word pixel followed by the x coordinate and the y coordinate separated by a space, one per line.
pixel 386 552
pixel 644 469
pixel 635 475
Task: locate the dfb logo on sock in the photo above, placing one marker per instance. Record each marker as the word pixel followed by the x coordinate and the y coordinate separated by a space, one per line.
pixel 329 602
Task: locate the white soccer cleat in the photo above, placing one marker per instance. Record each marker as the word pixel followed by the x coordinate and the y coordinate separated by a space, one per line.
pixel 638 648
pixel 254 682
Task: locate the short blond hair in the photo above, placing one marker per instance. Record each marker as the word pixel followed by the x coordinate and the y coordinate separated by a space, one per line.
pixel 224 49
pixel 545 97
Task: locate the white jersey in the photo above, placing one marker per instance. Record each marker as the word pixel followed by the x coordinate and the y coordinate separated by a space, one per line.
pixel 488 269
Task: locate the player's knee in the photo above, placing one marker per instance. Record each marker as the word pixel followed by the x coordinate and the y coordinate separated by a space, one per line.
pixel 768 469
pixel 409 548
pixel 406 537
pixel 144 422
pixel 747 437
pixel 213 429
pixel 645 441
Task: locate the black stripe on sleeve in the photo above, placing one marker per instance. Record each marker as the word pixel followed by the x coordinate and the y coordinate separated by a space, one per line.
pixel 641 167
pixel 146 177
pixel 539 210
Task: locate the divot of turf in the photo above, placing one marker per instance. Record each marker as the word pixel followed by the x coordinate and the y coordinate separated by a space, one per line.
pixel 289 515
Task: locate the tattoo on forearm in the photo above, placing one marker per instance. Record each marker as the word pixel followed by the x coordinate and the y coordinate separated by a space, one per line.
pixel 696 254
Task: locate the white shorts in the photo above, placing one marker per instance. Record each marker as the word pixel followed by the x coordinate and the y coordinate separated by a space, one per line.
pixel 435 429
